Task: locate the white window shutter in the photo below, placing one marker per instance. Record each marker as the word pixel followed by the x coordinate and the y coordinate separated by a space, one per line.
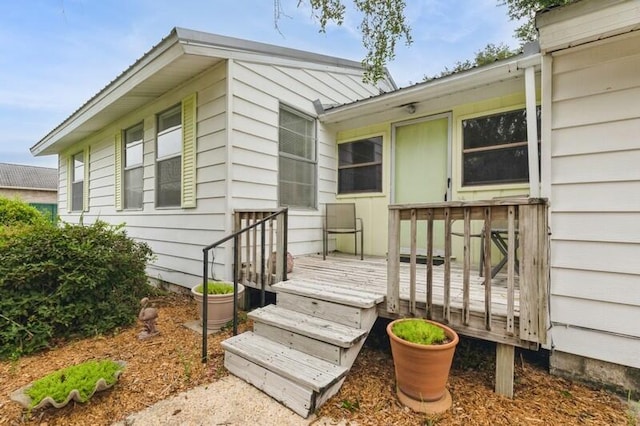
pixel 118 171
pixel 189 112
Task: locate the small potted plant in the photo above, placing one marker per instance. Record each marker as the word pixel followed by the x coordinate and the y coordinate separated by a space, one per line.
pixel 77 383
pixel 422 355
pixel 219 302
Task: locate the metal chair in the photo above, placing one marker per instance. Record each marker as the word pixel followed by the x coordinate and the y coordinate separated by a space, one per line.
pixel 340 218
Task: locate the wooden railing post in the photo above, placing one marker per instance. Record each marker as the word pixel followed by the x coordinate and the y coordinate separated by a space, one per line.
pixel 393 262
pixel 280 255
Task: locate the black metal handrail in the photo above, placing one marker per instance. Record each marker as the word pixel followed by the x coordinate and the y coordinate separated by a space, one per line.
pixel 236 254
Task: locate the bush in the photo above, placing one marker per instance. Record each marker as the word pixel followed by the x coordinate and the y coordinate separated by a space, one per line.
pixel 14 212
pixel 67 281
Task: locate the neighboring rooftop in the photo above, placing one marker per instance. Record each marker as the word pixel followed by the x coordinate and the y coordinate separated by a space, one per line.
pixel 28 177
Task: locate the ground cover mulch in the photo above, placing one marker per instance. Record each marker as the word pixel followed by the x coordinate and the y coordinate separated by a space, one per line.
pixel 170 363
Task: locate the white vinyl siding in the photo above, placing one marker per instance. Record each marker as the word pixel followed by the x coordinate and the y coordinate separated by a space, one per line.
pixel 595 201
pixel 176 235
pixel 258 92
pixel 235 164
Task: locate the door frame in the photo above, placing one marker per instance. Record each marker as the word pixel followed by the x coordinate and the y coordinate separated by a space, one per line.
pixel 392 168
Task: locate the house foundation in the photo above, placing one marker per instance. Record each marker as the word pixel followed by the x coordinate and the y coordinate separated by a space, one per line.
pixel 618 378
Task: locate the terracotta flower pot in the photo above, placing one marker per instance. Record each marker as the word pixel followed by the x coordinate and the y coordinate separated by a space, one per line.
pixel 422 371
pixel 219 307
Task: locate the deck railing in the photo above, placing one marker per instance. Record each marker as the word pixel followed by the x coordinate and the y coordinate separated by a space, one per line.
pixel 250 225
pixel 257 265
pixel 524 231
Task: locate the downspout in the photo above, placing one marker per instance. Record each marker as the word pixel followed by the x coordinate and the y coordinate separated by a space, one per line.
pixel 229 258
pixel 545 157
pixel 532 131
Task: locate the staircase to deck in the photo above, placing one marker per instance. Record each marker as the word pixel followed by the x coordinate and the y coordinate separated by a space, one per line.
pixel 301 349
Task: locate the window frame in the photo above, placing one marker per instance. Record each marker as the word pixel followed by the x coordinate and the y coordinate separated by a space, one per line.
pixel 177 108
pixel 74 179
pixel 127 168
pixel 313 138
pixel 495 148
pixel 369 164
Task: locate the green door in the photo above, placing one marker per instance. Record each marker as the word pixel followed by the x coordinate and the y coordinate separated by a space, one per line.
pixel 421 172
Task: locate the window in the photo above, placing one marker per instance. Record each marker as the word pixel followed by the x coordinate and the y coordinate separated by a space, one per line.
pixel 297 159
pixel 133 152
pixel 495 148
pixel 169 158
pixel 77 182
pixel 360 166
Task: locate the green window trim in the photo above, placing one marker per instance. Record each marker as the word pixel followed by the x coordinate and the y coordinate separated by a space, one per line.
pixel 189 136
pixel 118 170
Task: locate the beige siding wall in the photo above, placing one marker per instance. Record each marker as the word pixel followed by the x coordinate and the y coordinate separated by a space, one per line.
pixel 258 91
pixel 176 235
pixel 30 195
pixel 595 200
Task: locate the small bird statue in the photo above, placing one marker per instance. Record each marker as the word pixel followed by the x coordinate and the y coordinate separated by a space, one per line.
pixel 148 316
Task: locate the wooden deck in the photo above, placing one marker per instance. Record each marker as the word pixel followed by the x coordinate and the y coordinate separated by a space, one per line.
pixel 370 274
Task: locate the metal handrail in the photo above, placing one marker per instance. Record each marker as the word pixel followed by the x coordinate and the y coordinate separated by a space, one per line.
pixel 235 236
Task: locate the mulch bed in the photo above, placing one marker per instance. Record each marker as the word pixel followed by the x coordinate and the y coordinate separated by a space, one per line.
pixel 170 363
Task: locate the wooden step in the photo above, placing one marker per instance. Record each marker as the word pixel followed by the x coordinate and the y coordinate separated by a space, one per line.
pixel 309 326
pixel 299 368
pixel 336 294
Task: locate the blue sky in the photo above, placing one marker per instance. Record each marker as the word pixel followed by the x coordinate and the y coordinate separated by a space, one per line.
pixel 56 54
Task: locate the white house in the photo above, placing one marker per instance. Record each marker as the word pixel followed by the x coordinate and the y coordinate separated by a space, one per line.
pixel 199 126
pixel 202 125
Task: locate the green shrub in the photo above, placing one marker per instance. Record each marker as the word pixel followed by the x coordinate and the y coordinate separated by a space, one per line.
pixel 14 212
pixel 82 377
pixel 67 281
pixel 215 287
pixel 419 331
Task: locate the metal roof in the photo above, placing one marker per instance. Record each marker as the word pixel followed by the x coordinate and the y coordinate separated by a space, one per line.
pixel 180 56
pixel 28 177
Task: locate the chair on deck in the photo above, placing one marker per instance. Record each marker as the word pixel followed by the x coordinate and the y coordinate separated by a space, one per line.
pixel 340 218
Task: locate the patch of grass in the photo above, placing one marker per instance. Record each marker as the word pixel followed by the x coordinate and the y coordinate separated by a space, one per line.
pixel 351 406
pixel 419 331
pixel 82 377
pixel 215 287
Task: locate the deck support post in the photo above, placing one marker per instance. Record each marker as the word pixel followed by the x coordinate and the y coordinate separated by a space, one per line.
pixel 505 357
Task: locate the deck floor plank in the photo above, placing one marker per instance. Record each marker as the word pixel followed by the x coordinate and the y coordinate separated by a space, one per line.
pixel 370 275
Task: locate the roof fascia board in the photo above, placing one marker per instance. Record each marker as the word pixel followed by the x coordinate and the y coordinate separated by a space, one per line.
pixel 586 21
pixel 252 48
pixel 215 51
pixel 445 86
pixel 163 54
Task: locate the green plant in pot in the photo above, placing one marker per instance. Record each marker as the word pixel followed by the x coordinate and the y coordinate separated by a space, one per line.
pixel 219 302
pixel 422 354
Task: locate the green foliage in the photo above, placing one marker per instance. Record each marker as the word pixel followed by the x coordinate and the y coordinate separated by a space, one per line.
pixel 489 54
pixel 526 9
pixel 419 331
pixel 16 212
pixel 67 281
pixel 215 287
pixel 82 377
pixel 383 25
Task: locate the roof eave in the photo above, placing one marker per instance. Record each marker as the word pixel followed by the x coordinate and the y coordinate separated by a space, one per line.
pixel 168 49
pixel 452 84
